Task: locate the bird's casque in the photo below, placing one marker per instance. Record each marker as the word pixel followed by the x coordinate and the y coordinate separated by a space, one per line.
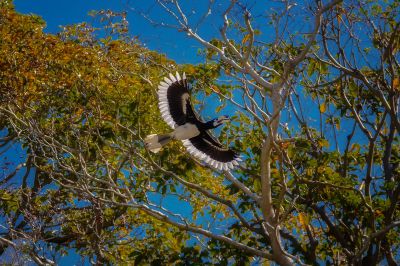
pixel 177 111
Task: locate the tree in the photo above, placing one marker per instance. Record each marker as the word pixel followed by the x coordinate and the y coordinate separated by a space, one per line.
pixel 70 102
pixel 317 124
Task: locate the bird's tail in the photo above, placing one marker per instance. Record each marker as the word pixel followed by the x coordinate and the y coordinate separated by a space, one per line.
pixel 155 142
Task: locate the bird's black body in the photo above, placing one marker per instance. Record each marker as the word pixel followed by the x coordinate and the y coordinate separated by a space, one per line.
pixel 177 111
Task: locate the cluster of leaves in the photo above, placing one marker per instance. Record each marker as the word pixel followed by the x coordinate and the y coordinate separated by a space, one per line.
pixel 79 106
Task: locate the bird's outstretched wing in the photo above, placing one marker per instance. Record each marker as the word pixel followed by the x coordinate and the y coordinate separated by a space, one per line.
pixel 176 109
pixel 174 101
pixel 208 149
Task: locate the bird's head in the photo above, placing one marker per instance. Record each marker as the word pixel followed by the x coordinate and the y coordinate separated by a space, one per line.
pixel 220 120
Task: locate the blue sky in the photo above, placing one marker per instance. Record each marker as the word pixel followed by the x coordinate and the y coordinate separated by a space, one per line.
pixel 175 44
pixel 57 13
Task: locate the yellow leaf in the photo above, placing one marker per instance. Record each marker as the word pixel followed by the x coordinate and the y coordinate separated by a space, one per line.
pixel 245 38
pixel 396 84
pixel 78 112
pixel 378 213
pixel 303 220
pixel 322 107
pixel 309 172
pixel 339 18
pixel 323 143
pixel 215 89
pixel 190 69
pixel 284 145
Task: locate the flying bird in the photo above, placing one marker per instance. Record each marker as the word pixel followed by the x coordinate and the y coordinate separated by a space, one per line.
pixel 177 111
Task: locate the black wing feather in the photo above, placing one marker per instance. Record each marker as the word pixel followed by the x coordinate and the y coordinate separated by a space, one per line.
pixel 175 94
pixel 174 101
pixel 207 145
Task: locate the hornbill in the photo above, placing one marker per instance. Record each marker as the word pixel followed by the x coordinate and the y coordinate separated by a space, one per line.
pixel 177 111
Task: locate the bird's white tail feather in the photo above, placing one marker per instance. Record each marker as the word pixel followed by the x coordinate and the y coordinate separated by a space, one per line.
pixel 155 142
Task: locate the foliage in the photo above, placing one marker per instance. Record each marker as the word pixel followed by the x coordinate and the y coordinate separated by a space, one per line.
pixel 78 106
pixel 316 119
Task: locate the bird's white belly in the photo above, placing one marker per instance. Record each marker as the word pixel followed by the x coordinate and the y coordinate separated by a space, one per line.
pixel 186 131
